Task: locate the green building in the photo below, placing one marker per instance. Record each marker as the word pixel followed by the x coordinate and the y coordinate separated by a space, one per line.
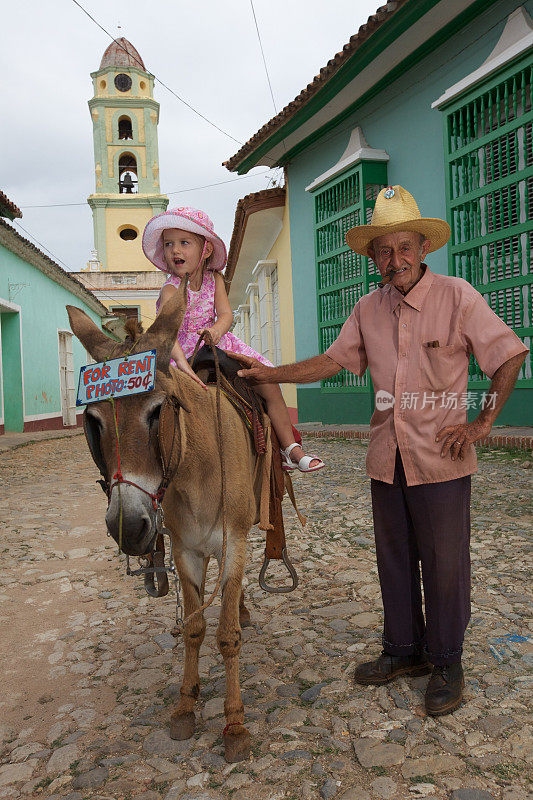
pixel 435 96
pixel 39 356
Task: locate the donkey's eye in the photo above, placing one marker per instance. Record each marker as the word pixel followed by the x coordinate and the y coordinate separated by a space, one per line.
pixel 153 418
pixel 93 431
pixel 94 420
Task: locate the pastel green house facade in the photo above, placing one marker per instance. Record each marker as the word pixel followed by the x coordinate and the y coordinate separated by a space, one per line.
pixel 436 97
pixel 39 356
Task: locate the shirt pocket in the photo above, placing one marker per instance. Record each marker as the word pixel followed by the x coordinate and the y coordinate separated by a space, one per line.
pixel 440 367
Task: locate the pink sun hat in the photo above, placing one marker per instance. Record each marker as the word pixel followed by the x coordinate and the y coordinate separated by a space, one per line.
pixel 187 219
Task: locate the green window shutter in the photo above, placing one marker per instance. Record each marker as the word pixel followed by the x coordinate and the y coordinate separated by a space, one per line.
pixel 489 194
pixel 343 276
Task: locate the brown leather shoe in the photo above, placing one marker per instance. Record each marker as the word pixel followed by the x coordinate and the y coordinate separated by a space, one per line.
pixel 387 667
pixel 445 689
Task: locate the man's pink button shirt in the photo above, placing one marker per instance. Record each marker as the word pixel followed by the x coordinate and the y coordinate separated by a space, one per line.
pixel 417 348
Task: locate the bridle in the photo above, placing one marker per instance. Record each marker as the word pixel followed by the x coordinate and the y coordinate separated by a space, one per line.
pixel 169 460
pixel 168 436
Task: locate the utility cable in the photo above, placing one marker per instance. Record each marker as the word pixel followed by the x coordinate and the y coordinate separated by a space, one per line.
pixel 263 54
pixel 141 65
pixel 177 191
pixel 267 75
pixel 69 273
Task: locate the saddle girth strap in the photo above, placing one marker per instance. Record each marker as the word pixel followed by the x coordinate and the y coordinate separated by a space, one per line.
pixel 275 537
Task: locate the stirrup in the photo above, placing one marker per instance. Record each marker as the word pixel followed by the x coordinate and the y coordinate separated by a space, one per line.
pixel 290 569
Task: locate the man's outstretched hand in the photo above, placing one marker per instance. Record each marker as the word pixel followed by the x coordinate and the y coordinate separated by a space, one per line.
pixel 255 371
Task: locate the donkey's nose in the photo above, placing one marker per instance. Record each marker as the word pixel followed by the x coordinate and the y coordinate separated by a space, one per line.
pixel 136 536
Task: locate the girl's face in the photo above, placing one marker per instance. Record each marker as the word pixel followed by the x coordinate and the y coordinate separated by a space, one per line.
pixel 182 251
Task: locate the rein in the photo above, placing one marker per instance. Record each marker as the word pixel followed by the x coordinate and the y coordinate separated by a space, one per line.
pixel 209 341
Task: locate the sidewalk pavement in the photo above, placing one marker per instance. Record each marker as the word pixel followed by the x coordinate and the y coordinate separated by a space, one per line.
pixel 10 440
pixel 502 436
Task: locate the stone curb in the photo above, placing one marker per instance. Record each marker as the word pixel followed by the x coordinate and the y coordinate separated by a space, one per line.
pixel 497 441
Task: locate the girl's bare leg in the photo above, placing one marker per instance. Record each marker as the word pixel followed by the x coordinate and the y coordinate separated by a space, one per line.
pixel 278 413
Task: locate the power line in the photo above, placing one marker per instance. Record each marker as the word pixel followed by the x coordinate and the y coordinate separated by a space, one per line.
pixel 264 59
pixel 131 55
pixel 69 273
pixel 177 191
pixel 209 185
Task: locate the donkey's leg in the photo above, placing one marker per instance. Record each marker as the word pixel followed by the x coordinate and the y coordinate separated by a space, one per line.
pixel 244 614
pixel 236 737
pixel 192 570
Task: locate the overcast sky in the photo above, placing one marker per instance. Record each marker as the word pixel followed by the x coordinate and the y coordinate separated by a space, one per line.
pixel 207 52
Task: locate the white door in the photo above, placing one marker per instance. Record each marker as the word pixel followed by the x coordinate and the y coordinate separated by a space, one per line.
pixel 66 378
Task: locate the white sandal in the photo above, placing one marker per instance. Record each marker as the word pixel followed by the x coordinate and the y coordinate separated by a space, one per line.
pixel 303 464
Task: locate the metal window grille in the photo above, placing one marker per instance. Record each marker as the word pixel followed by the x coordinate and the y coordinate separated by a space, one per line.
pixel 490 198
pixel 343 276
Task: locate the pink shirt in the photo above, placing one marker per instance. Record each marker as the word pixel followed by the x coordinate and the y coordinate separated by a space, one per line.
pixel 426 385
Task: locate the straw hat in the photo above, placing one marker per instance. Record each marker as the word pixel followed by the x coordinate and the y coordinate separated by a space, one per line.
pixel 186 219
pixel 396 210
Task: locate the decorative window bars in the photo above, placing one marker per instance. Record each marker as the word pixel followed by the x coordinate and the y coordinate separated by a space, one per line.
pixel 489 192
pixel 342 275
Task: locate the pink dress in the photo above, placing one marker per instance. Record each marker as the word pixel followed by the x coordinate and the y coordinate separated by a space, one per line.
pixel 201 314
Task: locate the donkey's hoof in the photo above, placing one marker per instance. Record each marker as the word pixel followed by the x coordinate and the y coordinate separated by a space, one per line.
pixel 182 726
pixel 244 618
pixel 237 744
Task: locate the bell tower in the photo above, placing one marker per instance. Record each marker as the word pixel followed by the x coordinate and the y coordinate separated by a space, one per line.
pixel 126 163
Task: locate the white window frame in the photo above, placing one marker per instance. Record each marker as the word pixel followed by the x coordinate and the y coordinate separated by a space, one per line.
pixel 268 338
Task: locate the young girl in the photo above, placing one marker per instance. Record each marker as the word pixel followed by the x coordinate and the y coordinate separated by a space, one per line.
pixel 183 241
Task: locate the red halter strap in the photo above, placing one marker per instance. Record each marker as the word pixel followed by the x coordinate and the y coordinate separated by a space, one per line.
pixel 118 478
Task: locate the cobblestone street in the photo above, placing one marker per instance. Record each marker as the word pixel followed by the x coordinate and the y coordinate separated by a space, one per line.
pixel 90 669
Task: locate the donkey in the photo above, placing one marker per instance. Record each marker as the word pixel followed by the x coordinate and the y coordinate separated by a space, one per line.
pixel 192 503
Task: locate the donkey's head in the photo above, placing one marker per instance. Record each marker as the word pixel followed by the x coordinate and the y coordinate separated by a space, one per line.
pixel 130 428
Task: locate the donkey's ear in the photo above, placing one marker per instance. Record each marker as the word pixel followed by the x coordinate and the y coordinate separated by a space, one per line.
pixel 92 338
pixel 163 331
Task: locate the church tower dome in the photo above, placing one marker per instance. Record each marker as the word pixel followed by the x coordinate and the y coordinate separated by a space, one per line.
pixel 121 53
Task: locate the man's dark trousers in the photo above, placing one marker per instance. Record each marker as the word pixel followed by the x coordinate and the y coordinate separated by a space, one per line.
pixel 429 523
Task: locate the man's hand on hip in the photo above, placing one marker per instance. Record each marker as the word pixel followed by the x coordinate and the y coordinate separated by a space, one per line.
pixel 456 438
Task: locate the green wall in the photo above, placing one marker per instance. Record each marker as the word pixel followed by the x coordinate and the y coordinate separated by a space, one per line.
pixel 401 121
pixel 43 312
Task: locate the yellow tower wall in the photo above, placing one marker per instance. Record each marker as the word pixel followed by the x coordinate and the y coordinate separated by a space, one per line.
pixel 123 255
pixel 111 117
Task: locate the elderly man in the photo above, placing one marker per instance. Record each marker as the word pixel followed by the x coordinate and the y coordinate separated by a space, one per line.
pixel 416 334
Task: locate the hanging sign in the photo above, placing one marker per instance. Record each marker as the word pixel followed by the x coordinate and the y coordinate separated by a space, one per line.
pixel 118 377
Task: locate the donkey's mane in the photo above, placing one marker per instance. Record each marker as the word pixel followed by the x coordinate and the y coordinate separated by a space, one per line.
pixel 134 329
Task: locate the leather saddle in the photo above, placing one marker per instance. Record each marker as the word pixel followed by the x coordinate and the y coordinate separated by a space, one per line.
pixel 248 403
pixel 205 359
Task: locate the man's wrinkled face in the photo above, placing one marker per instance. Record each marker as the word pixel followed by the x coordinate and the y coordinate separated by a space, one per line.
pixel 402 253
